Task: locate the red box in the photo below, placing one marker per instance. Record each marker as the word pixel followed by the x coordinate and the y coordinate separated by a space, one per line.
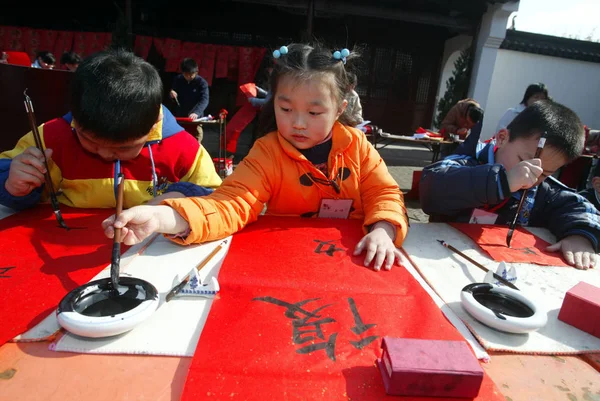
pixel 429 368
pixel 581 308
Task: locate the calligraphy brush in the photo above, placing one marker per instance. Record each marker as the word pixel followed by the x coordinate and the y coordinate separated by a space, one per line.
pixel 40 146
pixel 177 289
pixel 116 249
pixel 513 224
pixel 482 267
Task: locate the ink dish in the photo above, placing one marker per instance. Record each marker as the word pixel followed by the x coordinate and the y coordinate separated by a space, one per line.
pixel 97 310
pixel 503 309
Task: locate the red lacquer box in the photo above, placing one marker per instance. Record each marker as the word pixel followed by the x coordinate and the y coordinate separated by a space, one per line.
pixel 581 308
pixel 430 368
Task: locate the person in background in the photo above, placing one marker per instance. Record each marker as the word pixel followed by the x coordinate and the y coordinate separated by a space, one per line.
pixel 190 90
pixel 3 58
pixel 461 118
pixel 354 107
pixel 533 93
pixel 71 60
pixel 44 60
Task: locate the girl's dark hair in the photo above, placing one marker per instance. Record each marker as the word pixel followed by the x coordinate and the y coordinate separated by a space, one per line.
pixel 116 95
pixel 303 62
pixel 534 89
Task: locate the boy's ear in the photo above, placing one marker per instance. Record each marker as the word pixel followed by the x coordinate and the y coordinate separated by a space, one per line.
pixel 502 137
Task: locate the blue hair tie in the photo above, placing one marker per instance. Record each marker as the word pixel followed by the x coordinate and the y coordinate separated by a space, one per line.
pixel 282 51
pixel 341 55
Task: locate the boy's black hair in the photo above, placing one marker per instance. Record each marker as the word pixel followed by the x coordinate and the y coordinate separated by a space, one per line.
pixel 302 62
pixel 189 65
pixel 116 96
pixel 475 113
pixel 562 126
pixel 70 58
pixel 534 89
pixel 46 56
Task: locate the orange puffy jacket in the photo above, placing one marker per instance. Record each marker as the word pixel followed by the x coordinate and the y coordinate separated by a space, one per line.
pixel 275 173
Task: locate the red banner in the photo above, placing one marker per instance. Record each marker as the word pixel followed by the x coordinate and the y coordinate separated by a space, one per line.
pixel 63 43
pixel 142 46
pixel 207 67
pixel 14 38
pixel 42 262
pixel 171 50
pixel 524 247
pixel 299 317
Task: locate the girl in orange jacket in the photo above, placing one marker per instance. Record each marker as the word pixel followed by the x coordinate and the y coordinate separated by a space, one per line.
pixel 310 164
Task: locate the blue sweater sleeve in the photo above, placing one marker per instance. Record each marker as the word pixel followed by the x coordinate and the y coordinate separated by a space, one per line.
pixel 189 189
pixel 15 202
pixel 568 213
pixel 459 183
pixel 203 96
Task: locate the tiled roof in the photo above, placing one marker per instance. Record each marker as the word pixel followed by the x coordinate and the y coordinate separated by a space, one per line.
pixel 551 46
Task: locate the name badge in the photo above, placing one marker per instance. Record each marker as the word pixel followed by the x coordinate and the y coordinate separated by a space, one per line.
pixel 480 216
pixel 335 208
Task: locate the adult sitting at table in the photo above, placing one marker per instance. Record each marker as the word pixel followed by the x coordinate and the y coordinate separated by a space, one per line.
pixel 533 93
pixel 190 92
pixel 117 123
pixel 461 118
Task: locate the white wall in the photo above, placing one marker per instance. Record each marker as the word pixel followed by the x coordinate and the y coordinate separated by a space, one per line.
pixel 574 83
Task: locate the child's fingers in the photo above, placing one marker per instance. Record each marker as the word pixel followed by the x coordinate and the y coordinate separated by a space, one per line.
pixel 569 257
pixel 389 260
pixel 400 260
pixel 371 250
pixel 360 246
pixel 585 260
pixel 593 260
pixel 577 258
pixel 380 255
pixel 125 217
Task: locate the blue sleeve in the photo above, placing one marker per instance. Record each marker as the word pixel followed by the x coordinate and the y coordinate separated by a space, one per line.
pixel 456 184
pixel 202 98
pixel 567 213
pixel 469 146
pixel 258 102
pixel 189 189
pixel 15 202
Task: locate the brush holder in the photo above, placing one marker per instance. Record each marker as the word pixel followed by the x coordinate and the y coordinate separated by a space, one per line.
pixel 96 310
pixel 503 308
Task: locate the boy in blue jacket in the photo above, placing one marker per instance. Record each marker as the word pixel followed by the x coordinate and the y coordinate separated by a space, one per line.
pixel 494 177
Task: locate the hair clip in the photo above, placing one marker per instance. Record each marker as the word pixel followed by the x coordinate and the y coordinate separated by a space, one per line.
pixel 282 51
pixel 341 55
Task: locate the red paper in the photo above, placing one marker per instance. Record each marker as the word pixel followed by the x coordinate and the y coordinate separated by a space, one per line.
pixel 249 90
pixel 431 134
pixel 239 121
pixel 142 46
pixel 524 247
pixel 42 262
pixel 299 318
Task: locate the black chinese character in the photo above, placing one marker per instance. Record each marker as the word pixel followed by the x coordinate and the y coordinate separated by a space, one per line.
pixel 4 270
pixel 307 325
pixel 359 327
pixel 330 249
